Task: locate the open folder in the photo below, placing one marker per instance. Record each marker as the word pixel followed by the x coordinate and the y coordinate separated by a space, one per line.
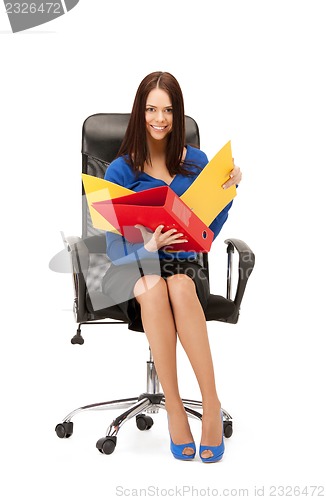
pixel 205 198
pixel 152 208
pixel 206 195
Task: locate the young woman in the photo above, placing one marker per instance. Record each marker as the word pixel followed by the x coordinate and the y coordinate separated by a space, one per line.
pixel 161 292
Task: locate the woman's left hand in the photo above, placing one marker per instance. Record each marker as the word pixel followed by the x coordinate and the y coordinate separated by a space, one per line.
pixel 235 177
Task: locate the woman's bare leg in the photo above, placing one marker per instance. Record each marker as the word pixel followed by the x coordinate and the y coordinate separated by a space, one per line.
pixel 152 294
pixel 192 331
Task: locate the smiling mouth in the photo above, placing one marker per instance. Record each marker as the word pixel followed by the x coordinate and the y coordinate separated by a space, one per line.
pixel 159 129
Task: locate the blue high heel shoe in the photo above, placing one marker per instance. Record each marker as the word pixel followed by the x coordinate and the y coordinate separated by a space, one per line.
pixel 177 449
pixel 217 451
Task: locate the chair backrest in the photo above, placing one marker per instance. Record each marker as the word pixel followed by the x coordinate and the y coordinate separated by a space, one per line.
pixel 101 139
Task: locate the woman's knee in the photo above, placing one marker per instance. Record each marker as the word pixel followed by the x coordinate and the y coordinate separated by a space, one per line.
pixel 181 286
pixel 150 284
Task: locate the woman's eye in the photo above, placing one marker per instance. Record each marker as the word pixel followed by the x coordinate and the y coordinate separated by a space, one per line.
pixel 150 110
pixel 168 110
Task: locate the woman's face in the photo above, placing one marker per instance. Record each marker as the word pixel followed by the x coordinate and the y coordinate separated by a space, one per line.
pixel 158 114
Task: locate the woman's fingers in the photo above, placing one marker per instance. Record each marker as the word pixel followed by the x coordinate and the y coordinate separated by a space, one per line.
pixel 176 238
pixel 171 235
pixel 158 230
pixel 235 177
pixel 158 239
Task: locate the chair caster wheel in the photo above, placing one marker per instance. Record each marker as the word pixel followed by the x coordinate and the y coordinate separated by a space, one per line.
pixel 77 339
pixel 64 430
pixel 144 422
pixel 227 429
pixel 107 444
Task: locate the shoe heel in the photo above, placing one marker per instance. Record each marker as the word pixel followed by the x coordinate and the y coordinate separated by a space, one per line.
pixel 217 451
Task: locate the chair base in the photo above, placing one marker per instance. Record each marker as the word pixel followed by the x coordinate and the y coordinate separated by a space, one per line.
pixel 149 402
pixel 137 407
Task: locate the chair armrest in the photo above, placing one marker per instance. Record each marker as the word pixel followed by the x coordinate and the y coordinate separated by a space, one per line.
pixel 80 250
pixel 79 254
pixel 246 265
pixel 79 258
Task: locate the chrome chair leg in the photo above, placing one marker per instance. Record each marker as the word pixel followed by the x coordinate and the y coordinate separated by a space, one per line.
pixel 149 402
pixel 133 411
pixel 108 405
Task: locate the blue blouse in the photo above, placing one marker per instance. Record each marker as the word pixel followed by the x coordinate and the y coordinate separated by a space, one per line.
pixel 119 250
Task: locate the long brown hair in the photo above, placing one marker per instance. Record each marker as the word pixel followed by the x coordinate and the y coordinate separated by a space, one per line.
pixel 134 145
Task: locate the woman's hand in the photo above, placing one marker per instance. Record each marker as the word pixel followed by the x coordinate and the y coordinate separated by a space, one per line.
pixel 155 241
pixel 235 177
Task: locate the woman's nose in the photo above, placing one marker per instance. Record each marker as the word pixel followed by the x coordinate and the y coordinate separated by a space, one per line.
pixel 159 116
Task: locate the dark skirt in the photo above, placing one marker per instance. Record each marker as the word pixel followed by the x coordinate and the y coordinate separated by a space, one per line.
pixel 119 281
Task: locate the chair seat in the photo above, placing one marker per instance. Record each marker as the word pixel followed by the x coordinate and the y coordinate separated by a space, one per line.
pixel 98 306
pixel 218 308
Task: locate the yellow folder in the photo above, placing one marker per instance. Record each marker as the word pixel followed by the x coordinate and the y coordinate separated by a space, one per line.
pixel 206 196
pixel 97 189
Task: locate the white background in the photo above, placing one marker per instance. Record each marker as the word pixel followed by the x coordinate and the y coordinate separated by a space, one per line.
pixel 252 72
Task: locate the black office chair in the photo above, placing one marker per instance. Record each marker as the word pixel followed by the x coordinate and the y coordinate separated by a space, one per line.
pixel 101 138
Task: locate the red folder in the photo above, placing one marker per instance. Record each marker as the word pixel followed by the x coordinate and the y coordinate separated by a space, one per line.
pixel 153 207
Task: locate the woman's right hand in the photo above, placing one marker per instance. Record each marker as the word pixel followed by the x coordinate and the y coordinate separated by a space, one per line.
pixel 155 241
